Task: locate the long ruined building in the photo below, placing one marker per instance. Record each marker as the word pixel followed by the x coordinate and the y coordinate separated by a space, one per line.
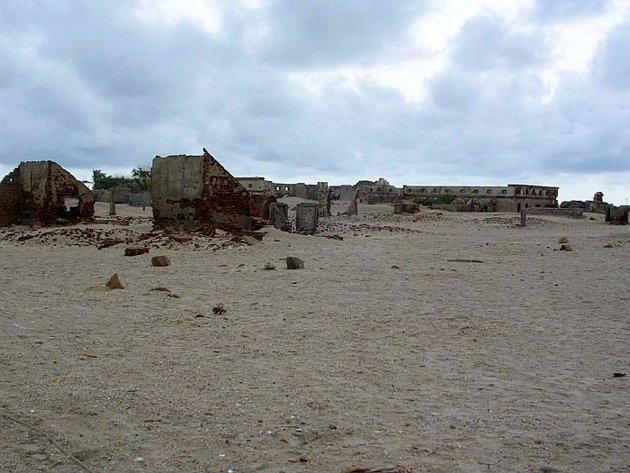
pixel 510 198
pixel 196 191
pixel 43 193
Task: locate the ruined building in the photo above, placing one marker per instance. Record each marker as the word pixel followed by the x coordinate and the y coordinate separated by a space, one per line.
pixel 198 191
pixel 597 205
pixel 43 193
pixel 379 192
pixel 319 192
pixel 510 198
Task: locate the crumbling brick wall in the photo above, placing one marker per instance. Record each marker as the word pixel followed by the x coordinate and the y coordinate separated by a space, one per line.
pixel 36 193
pixel 260 205
pixel 9 199
pixel 198 190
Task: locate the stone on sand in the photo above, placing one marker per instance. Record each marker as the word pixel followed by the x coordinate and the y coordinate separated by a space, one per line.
pixel 114 282
pixel 294 263
pixel 160 261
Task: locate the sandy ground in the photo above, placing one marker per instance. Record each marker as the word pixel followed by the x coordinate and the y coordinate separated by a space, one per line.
pixel 381 351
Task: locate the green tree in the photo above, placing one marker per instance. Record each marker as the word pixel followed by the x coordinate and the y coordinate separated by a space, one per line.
pixel 141 178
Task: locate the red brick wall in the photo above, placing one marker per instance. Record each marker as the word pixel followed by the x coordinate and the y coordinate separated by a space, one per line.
pixel 34 194
pixel 260 205
pixel 9 199
pixel 221 201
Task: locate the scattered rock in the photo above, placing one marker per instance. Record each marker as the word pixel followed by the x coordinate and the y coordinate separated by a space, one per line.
pixel 167 290
pixel 563 240
pixel 180 238
pixel 40 457
pixel 619 375
pixel 395 266
pixel 250 240
pixel 107 242
pixel 566 247
pixel 269 267
pixel 88 356
pixel 608 246
pixel 114 283
pixel 294 263
pixel 136 251
pixel 160 261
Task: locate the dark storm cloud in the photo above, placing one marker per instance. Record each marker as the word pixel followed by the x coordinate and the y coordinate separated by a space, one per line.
pixel 485 42
pixel 84 73
pixel 453 92
pixel 328 32
pixel 612 65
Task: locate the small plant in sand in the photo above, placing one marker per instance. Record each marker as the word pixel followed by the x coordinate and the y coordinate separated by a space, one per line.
pixel 219 309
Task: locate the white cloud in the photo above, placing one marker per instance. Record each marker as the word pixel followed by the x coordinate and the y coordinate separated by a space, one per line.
pixel 167 13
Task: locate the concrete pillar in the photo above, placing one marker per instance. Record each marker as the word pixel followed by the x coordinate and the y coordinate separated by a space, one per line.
pixel 307 217
pixel 323 198
pixel 523 218
pixel 279 215
pixel 617 215
pixel 112 202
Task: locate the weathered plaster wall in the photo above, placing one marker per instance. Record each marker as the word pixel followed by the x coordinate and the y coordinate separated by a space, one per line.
pixel 256 184
pixel 554 212
pixel 197 190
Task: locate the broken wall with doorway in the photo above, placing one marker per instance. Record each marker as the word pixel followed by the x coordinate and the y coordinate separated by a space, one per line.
pixel 43 193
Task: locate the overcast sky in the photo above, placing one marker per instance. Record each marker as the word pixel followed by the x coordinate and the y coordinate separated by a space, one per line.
pixel 485 92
